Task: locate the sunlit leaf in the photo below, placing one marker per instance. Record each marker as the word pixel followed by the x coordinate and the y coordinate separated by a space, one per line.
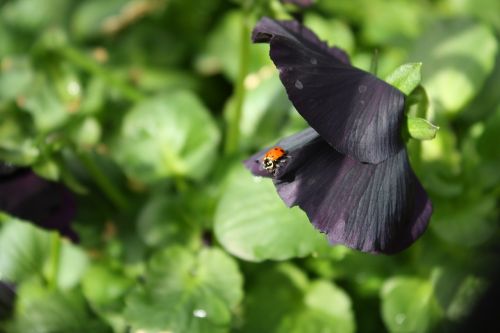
pixel 186 292
pixel 409 305
pixel 453 70
pixel 252 222
pixel 167 136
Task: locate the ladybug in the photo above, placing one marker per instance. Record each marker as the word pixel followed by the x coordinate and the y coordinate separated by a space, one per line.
pixel 273 159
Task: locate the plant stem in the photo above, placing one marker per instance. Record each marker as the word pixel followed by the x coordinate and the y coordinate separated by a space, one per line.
pixel 88 64
pixel 103 181
pixel 55 256
pixel 374 63
pixel 233 126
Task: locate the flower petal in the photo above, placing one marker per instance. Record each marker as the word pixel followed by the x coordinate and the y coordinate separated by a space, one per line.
pixel 373 208
pixel 292 145
pixel 47 204
pixel 355 112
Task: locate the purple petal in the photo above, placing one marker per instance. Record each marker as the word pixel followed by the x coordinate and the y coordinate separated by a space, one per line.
pixel 355 112
pixel 292 145
pixel 47 204
pixel 373 208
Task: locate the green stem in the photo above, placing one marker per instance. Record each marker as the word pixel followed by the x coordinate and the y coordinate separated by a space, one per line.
pixel 233 126
pixel 55 256
pixel 89 65
pixel 103 181
pixel 374 63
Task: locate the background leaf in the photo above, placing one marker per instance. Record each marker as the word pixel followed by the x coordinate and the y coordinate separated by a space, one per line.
pixel 253 223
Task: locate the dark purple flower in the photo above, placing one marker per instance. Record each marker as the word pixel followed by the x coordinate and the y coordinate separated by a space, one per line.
pixel 350 171
pixel 379 208
pixel 355 112
pixel 47 204
pixel 300 3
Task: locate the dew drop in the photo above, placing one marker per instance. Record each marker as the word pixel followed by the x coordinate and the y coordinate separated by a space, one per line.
pixel 400 318
pixel 362 102
pixel 362 88
pixel 200 313
pixel 314 61
pixel 298 84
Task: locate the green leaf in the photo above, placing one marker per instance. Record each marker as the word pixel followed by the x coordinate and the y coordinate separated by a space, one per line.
pixel 333 31
pixel 252 222
pixel 488 141
pixel 105 288
pixel 264 109
pixel 457 291
pixel 454 71
pixel 186 292
pixel 223 48
pixel 162 220
pixel 406 77
pixel 90 16
pixel 409 305
pixel 264 313
pixel 327 309
pixel 25 251
pixel 297 305
pixel 33 15
pixel 16 77
pixel 42 311
pixel 466 220
pixel 167 136
pixel 45 105
pixel 421 129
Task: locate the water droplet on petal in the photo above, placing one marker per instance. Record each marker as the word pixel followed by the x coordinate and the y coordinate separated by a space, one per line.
pixel 362 88
pixel 298 84
pixel 314 61
pixel 400 318
pixel 362 102
pixel 200 313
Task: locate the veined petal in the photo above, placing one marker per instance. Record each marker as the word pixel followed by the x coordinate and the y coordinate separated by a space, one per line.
pixel 355 112
pixel 378 208
pixel 292 145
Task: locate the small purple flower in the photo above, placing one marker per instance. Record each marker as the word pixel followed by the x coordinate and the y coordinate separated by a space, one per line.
pixel 349 172
pixel 47 204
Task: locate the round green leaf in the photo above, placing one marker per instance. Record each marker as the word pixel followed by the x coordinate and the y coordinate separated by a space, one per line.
pixel 264 313
pixel 327 310
pixel 409 305
pixel 23 250
pixel 252 222
pixel 162 220
pixel 184 292
pixel 165 136
pixel 43 311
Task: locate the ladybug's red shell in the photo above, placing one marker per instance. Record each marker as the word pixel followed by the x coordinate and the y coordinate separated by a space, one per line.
pixel 273 159
pixel 275 153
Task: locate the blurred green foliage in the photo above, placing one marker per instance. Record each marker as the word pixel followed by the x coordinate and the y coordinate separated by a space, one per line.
pixel 130 102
